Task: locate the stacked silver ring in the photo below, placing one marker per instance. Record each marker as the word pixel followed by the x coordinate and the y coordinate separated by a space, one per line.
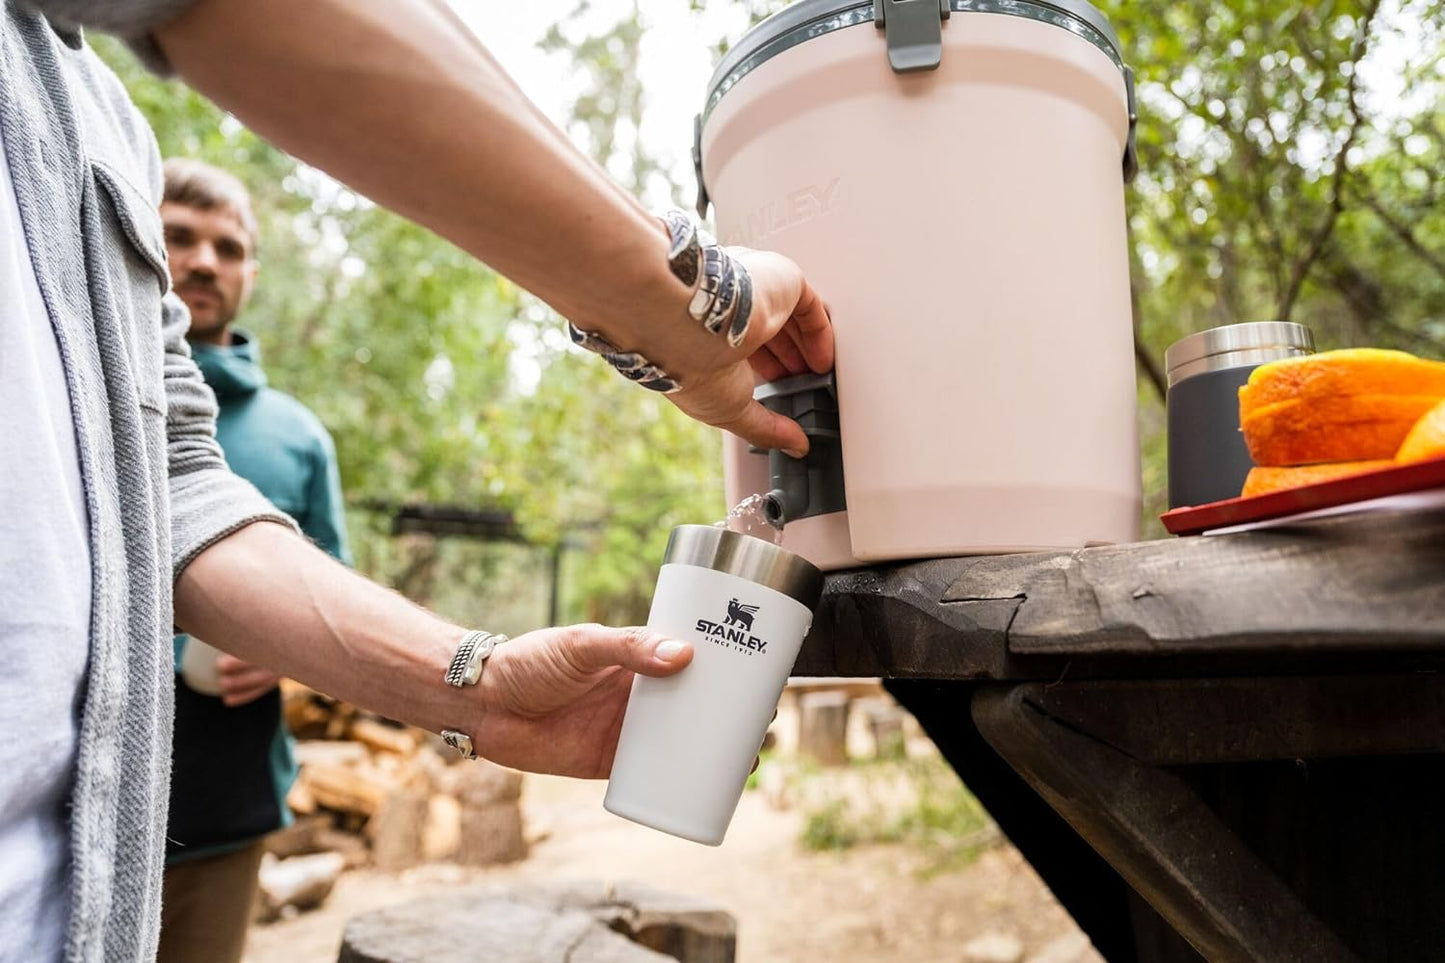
pixel 472 651
pixel 682 254
pixel 722 289
pixel 722 300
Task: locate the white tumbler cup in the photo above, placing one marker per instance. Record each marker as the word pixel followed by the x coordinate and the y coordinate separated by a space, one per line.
pixel 688 742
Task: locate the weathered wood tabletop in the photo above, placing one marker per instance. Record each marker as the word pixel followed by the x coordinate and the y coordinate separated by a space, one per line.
pixel 1247 731
pixel 1368 586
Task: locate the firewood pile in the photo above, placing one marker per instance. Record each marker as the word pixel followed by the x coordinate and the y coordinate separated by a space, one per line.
pixel 378 794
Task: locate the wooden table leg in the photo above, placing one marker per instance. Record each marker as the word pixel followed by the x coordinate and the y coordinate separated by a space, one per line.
pixel 1154 829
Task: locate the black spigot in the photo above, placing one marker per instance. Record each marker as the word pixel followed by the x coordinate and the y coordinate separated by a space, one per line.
pixel 812 485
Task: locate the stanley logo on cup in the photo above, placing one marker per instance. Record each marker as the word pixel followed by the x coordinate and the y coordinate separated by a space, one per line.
pixel 736 629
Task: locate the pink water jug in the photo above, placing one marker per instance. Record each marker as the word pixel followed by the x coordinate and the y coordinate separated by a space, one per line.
pixel 950 174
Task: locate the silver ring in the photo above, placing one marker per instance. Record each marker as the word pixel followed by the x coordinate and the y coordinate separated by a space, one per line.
pixel 743 309
pixel 708 282
pixel 472 654
pixel 684 251
pixel 720 310
pixel 459 741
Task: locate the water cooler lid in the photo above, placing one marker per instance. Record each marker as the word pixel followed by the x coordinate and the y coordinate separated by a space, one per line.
pixel 1232 345
pixel 806 19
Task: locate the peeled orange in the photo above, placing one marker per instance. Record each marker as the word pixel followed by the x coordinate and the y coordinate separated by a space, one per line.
pixel 1337 406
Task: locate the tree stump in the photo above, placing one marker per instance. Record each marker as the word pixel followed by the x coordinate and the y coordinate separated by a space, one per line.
pixel 396 829
pixel 498 931
pixel 682 927
pixel 480 783
pixel 823 728
pixel 579 922
pixel 442 835
pixel 491 813
pixel 885 722
pixel 491 834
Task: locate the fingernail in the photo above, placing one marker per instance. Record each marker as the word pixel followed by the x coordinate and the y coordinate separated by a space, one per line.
pixel 667 651
pixel 793 452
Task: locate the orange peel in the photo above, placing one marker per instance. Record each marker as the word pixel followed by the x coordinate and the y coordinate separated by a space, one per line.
pixel 1426 439
pixel 1261 481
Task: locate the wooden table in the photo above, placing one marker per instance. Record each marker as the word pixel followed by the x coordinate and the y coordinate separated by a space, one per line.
pixel 1248 730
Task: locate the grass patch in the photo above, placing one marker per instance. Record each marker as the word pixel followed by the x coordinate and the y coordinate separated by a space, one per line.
pixel 914 802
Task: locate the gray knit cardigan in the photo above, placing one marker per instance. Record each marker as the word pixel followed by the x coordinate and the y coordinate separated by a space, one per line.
pixel 87 178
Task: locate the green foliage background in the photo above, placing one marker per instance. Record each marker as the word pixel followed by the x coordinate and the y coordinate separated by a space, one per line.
pixel 1275 183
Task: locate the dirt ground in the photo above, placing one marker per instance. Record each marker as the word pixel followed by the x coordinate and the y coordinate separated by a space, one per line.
pixel 863 904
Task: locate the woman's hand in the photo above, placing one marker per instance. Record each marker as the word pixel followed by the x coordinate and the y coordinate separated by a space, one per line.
pixel 553 700
pixel 790 333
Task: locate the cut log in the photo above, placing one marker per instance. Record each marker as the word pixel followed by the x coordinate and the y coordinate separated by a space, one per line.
pixel 480 783
pixel 884 721
pixel 580 922
pixel 300 800
pixel 442 835
pixel 322 752
pixel 298 839
pixel 823 728
pixel 491 834
pixel 382 737
pixel 306 711
pixel 433 767
pixel 396 830
pixel 347 789
pixel 301 882
pixel 497 931
pixel 350 846
pixel 341 718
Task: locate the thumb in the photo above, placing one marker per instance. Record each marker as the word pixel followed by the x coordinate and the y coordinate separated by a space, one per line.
pixel 768 429
pixel 593 648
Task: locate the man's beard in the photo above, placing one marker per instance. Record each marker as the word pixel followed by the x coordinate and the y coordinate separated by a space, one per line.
pixel 223 314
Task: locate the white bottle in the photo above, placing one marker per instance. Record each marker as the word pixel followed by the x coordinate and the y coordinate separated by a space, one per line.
pixel 198 667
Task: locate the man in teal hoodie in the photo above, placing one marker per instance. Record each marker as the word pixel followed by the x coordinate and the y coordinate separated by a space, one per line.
pixel 232 758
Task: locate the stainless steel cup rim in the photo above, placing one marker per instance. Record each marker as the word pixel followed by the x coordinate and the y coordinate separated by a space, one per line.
pixel 1232 345
pixel 723 550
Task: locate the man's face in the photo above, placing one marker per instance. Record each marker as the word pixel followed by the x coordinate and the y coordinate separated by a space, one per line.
pixel 213 266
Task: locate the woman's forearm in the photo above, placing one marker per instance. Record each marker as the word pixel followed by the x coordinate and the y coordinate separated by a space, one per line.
pixel 273 599
pixel 550 700
pixel 398 100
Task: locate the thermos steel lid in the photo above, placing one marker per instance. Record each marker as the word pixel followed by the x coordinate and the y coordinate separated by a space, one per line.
pixel 806 19
pixel 722 550
pixel 1233 345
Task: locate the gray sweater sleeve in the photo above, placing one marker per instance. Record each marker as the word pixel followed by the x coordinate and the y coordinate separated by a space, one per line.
pixel 208 502
pixel 130 20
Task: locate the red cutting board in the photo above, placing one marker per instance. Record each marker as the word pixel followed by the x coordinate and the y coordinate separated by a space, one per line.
pixel 1399 480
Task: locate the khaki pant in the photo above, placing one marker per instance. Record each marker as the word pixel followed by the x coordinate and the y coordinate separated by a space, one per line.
pixel 206 905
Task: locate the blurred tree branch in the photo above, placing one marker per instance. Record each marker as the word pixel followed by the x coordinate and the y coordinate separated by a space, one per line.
pixel 1321 236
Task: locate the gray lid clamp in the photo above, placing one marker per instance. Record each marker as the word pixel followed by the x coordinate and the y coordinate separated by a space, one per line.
pixel 702 198
pixel 914 31
pixel 1131 147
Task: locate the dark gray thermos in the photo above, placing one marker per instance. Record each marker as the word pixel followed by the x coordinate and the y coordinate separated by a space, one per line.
pixel 1208 460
